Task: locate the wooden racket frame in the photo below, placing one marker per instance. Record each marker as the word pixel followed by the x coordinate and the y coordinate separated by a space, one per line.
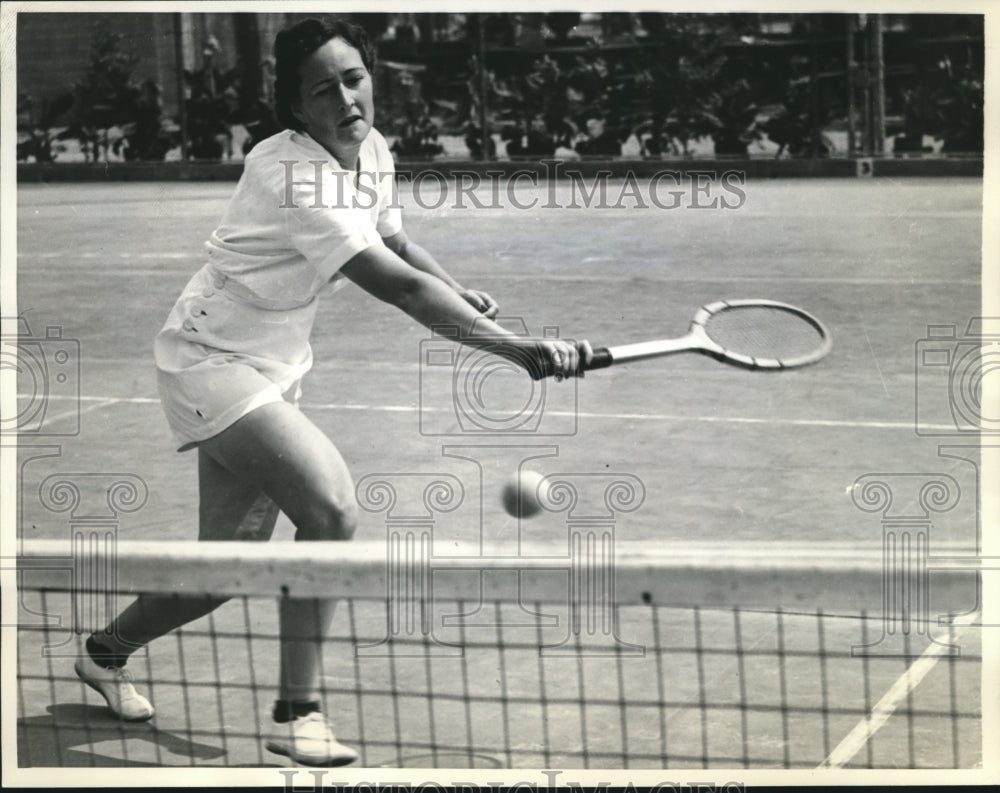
pixel 698 340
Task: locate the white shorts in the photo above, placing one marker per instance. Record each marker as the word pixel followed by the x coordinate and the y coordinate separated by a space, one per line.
pixel 220 356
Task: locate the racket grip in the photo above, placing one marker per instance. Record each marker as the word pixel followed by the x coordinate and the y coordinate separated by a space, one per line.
pixel 602 359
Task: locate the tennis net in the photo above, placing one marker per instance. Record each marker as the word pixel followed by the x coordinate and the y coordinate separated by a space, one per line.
pixel 637 656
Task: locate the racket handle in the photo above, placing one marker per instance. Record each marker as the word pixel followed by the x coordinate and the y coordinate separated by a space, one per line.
pixel 601 360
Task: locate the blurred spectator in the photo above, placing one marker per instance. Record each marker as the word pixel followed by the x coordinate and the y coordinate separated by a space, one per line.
pixel 419 137
pixel 209 107
pixel 146 138
pixel 653 136
pixel 600 141
pixel 36 140
pixel 260 121
pixel 530 139
pixel 474 141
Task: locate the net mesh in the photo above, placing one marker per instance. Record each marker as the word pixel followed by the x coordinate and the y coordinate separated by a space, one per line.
pixel 508 680
pixel 764 332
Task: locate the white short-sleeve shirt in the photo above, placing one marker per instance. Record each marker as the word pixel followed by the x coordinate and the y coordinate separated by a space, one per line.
pixel 238 336
pixel 297 216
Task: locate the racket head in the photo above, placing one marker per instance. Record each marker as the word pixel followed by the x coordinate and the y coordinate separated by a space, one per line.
pixel 761 334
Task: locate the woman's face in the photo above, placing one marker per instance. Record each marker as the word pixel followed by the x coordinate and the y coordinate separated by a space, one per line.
pixel 335 99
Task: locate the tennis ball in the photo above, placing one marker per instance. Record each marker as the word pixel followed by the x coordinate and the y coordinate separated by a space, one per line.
pixel 523 493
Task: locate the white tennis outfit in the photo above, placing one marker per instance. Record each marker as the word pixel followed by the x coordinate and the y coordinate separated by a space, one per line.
pixel 238 336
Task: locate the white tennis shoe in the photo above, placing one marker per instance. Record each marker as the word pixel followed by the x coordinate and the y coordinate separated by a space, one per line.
pixel 115 685
pixel 310 741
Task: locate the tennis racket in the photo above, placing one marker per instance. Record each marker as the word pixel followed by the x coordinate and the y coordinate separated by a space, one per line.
pixel 754 334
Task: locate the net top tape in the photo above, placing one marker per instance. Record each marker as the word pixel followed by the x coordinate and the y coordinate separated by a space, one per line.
pixel 827 576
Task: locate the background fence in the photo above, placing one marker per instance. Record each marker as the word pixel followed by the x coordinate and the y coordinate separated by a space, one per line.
pixel 198 86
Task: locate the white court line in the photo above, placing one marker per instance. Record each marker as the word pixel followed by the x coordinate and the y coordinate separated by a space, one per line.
pixel 899 691
pixel 97 405
pixel 834 423
pixel 196 259
pixel 106 255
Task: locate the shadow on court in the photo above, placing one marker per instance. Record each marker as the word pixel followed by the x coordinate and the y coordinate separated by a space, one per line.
pixel 74 735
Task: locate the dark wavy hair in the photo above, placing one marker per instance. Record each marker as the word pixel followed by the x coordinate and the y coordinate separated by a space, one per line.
pixel 296 43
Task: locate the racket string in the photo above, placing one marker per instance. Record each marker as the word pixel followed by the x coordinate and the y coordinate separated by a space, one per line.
pixel 766 332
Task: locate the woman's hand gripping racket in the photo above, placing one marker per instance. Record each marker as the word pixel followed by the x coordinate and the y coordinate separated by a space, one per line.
pixel 754 334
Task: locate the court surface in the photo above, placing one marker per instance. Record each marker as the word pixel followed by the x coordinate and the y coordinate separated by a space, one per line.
pixel 723 454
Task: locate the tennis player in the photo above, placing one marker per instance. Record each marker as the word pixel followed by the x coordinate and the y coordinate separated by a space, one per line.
pixel 303 222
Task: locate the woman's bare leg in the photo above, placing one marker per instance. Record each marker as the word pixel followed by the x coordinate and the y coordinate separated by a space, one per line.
pixel 283 453
pixel 230 509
